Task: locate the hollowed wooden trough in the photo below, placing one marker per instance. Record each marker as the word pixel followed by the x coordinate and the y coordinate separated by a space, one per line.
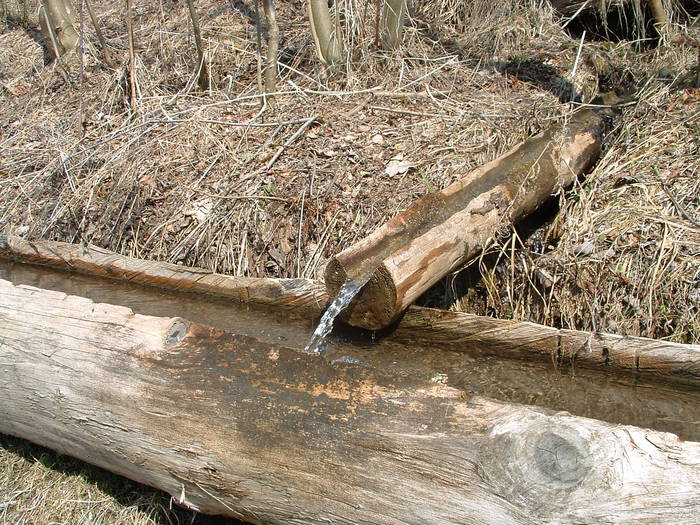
pixel 229 424
pixel 441 231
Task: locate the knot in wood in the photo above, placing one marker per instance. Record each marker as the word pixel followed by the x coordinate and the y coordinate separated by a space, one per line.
pixel 561 460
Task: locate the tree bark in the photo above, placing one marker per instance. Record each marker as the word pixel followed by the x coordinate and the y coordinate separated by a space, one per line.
pixel 442 231
pixel 133 95
pixel 230 425
pixel 457 331
pixel 273 43
pixel 57 21
pixel 202 69
pixel 100 35
pixel 660 18
pixel 326 33
pixel 393 14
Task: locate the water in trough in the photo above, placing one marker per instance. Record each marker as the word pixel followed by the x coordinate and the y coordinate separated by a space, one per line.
pixel 345 296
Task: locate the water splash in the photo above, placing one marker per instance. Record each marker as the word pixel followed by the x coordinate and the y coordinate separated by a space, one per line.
pixel 345 295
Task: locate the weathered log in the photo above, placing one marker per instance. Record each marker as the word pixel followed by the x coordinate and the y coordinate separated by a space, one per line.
pixel 533 379
pixel 300 295
pixel 442 231
pixel 672 362
pixel 230 425
pixel 454 330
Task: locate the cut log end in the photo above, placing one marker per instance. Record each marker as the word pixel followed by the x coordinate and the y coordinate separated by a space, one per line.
pixel 375 306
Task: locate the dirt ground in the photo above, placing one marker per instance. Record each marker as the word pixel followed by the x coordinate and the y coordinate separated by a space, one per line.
pixel 239 184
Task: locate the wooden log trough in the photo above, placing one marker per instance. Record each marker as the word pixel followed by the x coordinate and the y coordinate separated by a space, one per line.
pixel 457 331
pixel 442 231
pixel 229 424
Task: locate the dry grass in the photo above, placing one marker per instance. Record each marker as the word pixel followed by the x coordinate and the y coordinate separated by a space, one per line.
pixel 215 180
pixel 40 487
pixel 187 177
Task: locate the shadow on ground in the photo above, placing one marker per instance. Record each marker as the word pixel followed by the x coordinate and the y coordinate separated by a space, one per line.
pixel 127 493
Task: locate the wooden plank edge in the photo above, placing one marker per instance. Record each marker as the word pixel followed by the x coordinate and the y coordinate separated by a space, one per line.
pixel 674 362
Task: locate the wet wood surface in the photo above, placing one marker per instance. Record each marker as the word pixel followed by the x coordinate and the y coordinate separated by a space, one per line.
pixel 231 425
pixel 458 331
pixel 300 295
pixel 442 231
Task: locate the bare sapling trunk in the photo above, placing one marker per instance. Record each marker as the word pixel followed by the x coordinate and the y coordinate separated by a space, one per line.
pixel 3 14
pixel 57 21
pixel 100 35
pixel 326 33
pixel 202 70
pixel 393 15
pixel 660 17
pixel 258 55
pixel 273 42
pixel 132 56
pixel 377 23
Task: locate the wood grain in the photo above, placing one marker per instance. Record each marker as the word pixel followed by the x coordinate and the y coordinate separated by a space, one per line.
pixel 230 425
pixel 665 360
pixel 301 295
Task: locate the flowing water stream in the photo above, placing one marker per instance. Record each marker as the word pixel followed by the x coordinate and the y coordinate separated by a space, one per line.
pixel 345 296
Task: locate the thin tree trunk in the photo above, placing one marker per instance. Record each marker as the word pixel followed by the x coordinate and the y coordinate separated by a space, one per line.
pixel 49 34
pixel 258 41
pixel 273 42
pixel 660 16
pixel 132 57
pixel 326 33
pixel 377 23
pixel 394 13
pixel 100 36
pixel 57 21
pixel 202 69
pixel 81 55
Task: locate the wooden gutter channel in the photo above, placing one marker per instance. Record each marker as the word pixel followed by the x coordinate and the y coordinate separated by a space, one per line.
pixel 453 330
